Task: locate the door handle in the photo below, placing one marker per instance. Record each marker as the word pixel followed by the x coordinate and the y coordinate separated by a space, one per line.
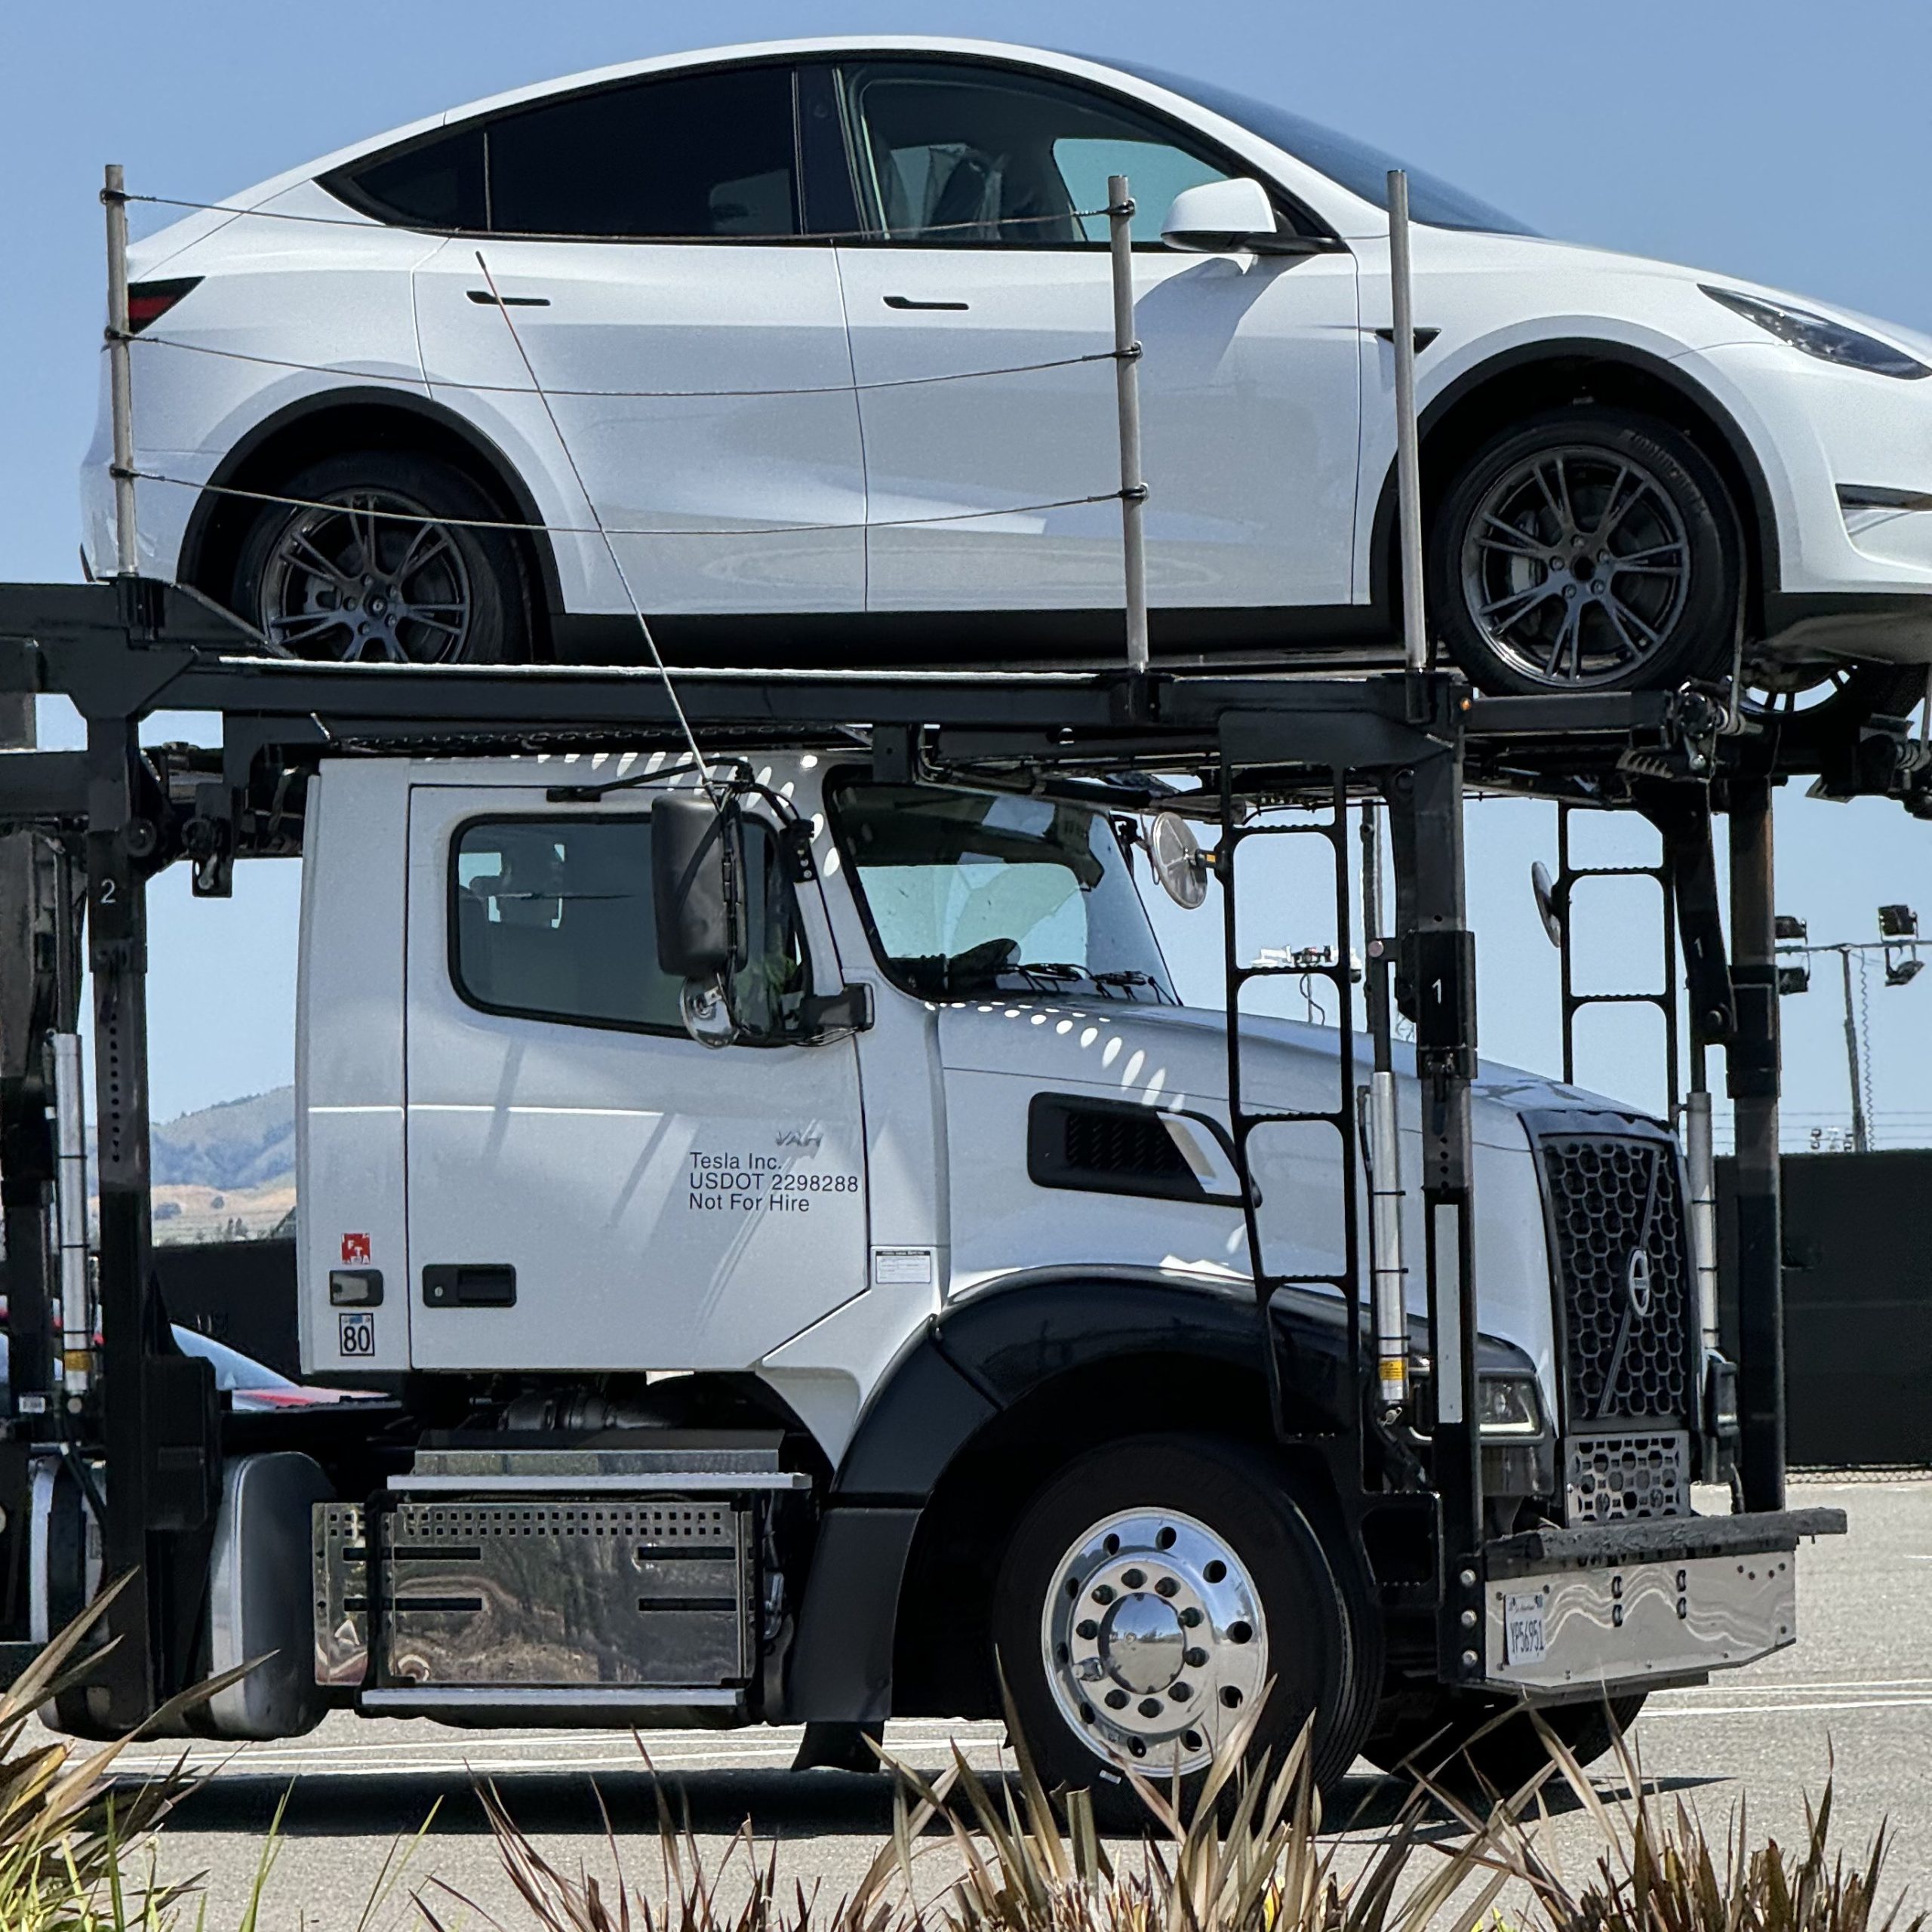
pixel 469 1284
pixel 486 300
pixel 912 302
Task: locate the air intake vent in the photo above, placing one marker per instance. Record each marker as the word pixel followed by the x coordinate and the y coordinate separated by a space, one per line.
pixel 1113 1144
pixel 1112 1147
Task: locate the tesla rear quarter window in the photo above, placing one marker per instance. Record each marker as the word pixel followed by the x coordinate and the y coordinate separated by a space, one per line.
pixel 437 184
pixel 695 155
pixel 959 154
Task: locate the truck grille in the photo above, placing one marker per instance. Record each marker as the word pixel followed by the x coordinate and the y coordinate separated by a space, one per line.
pixel 1615 1479
pixel 1621 1251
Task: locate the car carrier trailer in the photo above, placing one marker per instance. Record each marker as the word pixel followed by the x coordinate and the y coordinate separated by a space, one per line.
pixel 877 1328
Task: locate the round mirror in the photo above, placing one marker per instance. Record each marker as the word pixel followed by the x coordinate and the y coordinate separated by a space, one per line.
pixel 1544 887
pixel 706 1013
pixel 1178 862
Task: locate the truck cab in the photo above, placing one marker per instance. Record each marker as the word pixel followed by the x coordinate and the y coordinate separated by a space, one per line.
pixel 822 1337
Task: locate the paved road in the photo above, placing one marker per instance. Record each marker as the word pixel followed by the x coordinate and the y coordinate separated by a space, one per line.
pixel 1857 1688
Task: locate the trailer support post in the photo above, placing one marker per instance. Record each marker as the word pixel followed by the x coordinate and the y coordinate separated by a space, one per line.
pixel 124 1692
pixel 120 377
pixel 1439 973
pixel 1127 389
pixel 1753 1066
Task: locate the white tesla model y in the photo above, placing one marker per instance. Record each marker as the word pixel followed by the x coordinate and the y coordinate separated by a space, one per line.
pixel 801 347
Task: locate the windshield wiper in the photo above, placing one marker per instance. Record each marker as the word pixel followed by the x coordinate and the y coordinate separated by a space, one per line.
pixel 1122 977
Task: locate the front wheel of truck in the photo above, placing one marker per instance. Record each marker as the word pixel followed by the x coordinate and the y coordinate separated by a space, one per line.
pixel 1149 1599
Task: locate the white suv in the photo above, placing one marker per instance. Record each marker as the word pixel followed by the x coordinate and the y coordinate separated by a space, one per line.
pixel 818 334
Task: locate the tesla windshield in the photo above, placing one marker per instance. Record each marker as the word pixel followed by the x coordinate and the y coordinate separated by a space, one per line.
pixel 972 894
pixel 1361 169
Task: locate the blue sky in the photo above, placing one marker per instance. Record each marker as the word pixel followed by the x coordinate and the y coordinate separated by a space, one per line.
pixel 1784 142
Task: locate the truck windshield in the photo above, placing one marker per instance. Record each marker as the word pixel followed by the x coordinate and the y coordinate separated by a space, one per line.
pixel 969 894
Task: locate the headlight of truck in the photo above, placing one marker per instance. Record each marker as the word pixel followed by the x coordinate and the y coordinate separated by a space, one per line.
pixel 1509 1405
pixel 1820 336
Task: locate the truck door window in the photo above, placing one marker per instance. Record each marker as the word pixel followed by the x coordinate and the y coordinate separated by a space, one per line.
pixel 966 894
pixel 551 917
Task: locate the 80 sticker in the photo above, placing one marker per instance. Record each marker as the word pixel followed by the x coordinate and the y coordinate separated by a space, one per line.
pixel 358 1332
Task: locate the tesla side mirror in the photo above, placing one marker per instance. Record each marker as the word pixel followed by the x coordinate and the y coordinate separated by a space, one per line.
pixel 697 865
pixel 1218 216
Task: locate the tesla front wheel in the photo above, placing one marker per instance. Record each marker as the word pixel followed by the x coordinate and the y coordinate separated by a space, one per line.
pixel 1149 1599
pixel 384 558
pixel 1588 549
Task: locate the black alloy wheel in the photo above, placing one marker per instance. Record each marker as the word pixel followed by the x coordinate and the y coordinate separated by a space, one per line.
pixel 384 558
pixel 1150 1597
pixel 1587 549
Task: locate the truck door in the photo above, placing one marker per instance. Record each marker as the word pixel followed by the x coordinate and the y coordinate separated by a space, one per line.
pixel 589 1188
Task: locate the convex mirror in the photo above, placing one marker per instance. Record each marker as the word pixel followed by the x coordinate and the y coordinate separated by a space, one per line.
pixel 1178 861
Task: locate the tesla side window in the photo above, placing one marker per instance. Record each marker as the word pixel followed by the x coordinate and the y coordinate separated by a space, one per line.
pixel 437 183
pixel 692 155
pixel 954 153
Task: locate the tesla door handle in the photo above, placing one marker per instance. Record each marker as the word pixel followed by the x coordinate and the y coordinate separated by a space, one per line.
pixel 1423 337
pixel 913 302
pixel 486 300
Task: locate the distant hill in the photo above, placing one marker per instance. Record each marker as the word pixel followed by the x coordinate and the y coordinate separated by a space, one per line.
pixel 244 1143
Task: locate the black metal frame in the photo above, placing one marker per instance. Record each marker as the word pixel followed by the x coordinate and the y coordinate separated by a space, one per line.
pixel 123 650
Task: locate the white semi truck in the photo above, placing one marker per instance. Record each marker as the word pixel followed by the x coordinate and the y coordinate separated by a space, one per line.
pixel 817 1265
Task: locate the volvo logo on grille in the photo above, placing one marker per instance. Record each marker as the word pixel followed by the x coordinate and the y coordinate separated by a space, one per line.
pixel 1637 1282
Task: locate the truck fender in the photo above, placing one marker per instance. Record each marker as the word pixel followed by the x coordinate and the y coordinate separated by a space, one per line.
pixel 954 1377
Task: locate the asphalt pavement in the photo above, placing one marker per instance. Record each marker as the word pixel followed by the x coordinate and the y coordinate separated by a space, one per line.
pixel 1852 1700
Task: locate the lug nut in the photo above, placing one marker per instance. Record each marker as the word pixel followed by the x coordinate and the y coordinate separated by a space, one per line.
pixel 1150 1707
pixel 1116 1700
pixel 1087 1629
pixel 1166 1587
pixel 1133 1579
pixel 1195 1659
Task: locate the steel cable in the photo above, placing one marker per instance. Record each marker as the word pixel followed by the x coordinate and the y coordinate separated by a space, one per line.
pixel 589 530
pixel 368 223
pixel 145 340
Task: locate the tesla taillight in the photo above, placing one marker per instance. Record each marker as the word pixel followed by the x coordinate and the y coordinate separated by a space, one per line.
pixel 149 301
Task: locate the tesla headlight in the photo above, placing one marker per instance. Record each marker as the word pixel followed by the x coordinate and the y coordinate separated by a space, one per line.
pixel 1820 336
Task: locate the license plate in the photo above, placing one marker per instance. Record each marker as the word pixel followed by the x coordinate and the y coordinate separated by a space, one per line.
pixel 1522 1629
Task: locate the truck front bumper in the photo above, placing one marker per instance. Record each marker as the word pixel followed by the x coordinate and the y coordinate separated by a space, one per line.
pixel 1621 1604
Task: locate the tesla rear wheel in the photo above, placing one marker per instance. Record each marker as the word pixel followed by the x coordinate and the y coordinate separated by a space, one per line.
pixel 1588 549
pixel 379 558
pixel 1149 1598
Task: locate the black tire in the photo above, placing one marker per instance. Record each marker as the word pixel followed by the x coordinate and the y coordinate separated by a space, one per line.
pixel 433 593
pixel 1519 591
pixel 1173 1486
pixel 1450 1744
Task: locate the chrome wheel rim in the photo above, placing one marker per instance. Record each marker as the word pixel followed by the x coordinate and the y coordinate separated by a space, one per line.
pixel 363 576
pixel 1153 1640
pixel 1576 568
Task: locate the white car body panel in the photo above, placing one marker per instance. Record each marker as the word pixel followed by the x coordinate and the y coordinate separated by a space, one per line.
pixel 700 448
pixel 1248 402
pixel 430 1130
pixel 1259 497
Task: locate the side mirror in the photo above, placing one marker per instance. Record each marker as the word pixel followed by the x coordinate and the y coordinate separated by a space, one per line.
pixel 697 868
pixel 1218 216
pixel 1178 861
pixel 1547 910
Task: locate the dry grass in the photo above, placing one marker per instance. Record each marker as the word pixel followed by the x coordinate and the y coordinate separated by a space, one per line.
pixel 1248 1856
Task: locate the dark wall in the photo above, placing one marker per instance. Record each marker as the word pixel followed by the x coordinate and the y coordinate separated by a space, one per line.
pixel 240 1292
pixel 1858 1304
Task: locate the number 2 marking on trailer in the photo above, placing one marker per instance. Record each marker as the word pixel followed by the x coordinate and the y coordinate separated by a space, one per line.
pixel 107 890
pixel 358 1337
